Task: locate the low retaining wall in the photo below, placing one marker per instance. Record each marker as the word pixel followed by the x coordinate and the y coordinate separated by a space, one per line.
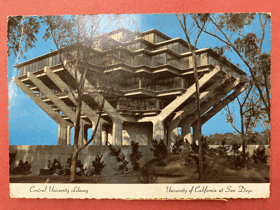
pixel 38 156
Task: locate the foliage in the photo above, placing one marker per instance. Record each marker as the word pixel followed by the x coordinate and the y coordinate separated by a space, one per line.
pixel 135 156
pixel 21 34
pixel 177 144
pixel 160 151
pixel 97 165
pixel 259 155
pixel 238 159
pixel 205 150
pixel 117 153
pixel 55 167
pixel 22 168
pixel 185 150
pixel 254 138
pixel 248 46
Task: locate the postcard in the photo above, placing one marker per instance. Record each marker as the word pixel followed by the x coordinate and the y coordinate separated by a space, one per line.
pixel 140 106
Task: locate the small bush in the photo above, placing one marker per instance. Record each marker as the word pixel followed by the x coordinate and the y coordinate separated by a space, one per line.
pixel 177 144
pixel 205 150
pixel 55 167
pixel 22 168
pixel 80 170
pixel 259 155
pixel 185 151
pixel 120 158
pixel 135 156
pixel 237 160
pixel 97 165
pixel 160 151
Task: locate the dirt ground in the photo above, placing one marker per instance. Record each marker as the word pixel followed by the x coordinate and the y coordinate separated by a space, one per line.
pixel 218 170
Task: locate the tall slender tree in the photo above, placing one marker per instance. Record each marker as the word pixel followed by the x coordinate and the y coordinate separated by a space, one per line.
pixel 230 29
pixel 187 30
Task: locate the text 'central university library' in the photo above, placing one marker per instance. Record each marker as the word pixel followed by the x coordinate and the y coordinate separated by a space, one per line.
pixel 157 88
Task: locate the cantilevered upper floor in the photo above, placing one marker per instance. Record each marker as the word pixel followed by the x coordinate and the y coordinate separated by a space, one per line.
pixel 153 70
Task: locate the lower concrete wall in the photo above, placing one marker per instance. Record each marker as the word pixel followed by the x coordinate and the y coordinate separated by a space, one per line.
pixel 38 156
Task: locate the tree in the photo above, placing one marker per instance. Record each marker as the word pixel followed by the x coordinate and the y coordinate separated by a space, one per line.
pixel 249 110
pixel 229 28
pixel 183 22
pixel 74 38
pixel 21 34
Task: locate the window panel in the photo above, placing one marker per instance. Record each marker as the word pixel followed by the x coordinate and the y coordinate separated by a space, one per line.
pixel 156 38
pixel 176 47
pixel 185 62
pixel 197 59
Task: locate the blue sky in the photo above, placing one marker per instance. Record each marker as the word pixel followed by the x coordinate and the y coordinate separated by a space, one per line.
pixel 29 125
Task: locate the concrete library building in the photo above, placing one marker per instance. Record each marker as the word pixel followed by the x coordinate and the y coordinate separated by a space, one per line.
pixel 156 89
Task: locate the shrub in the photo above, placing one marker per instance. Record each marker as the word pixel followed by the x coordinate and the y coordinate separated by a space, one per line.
pixel 259 155
pixel 135 156
pixel 120 158
pixel 97 165
pixel 195 148
pixel 22 168
pixel 55 167
pixel 238 159
pixel 160 151
pixel 177 144
pixel 80 170
pixel 185 150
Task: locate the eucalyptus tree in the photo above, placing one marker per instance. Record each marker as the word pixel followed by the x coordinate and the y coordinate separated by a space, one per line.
pixel 75 38
pixel 187 28
pixel 239 32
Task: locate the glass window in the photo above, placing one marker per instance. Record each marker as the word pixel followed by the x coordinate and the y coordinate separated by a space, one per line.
pixel 176 47
pixel 156 38
pixel 185 62
pixel 27 68
pixel 197 59
pixel 47 61
pixel 138 59
pixel 160 59
pixel 172 60
pixel 146 60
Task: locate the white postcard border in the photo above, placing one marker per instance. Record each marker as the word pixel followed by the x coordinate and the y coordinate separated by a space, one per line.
pixel 140 191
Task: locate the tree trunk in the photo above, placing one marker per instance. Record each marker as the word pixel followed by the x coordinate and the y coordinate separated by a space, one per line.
pixel 243 139
pixel 73 168
pixel 76 139
pixel 200 155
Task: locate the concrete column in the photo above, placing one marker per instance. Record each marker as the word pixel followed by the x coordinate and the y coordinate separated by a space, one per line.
pixel 195 133
pixel 62 135
pixel 172 134
pixel 83 134
pixel 103 135
pixel 97 137
pixel 186 132
pixel 117 132
pixel 158 130
pixel 68 135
